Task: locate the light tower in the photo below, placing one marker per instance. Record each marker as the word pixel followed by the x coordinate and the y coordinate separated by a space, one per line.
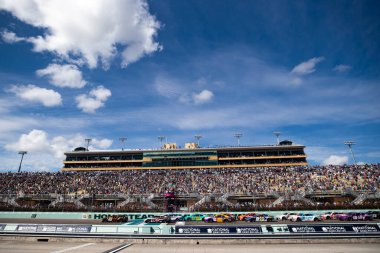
pixel 88 140
pixel 349 144
pixel 122 140
pixel 22 153
pixel 197 136
pixel 277 134
pixel 238 136
pixel 161 138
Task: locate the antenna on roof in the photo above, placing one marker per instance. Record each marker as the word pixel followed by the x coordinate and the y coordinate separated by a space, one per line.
pixel 88 140
pixel 349 144
pixel 238 136
pixel 277 134
pixel 122 139
pixel 161 138
pixel 197 136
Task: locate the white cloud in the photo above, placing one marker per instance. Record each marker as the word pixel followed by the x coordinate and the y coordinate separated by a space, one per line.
pixel 10 37
pixel 335 160
pixel 36 94
pixel 94 100
pixel 63 75
pixel 307 67
pixel 203 97
pixel 88 31
pixel 37 142
pixel 34 141
pixel 342 68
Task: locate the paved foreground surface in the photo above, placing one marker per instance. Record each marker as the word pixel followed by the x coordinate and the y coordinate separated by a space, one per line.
pixel 61 247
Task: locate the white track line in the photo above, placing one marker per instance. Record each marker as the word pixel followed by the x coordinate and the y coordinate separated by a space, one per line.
pixel 120 248
pixel 74 248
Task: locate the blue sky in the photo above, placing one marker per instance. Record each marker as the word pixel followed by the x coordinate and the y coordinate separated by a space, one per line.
pixel 137 69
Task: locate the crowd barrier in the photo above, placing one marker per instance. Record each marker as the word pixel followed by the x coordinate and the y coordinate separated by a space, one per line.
pixel 328 230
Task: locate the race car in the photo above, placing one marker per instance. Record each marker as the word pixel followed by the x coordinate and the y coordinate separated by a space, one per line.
pixel 282 217
pixel 172 217
pixel 355 216
pixel 305 217
pixel 157 219
pixel 194 217
pixel 292 216
pixel 242 216
pixel 220 218
pixel 375 214
pixel 259 217
pixel 330 216
pixel 230 216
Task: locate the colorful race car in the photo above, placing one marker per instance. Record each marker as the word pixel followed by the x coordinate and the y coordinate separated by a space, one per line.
pixel 242 216
pixel 259 217
pixel 330 216
pixel 220 218
pixel 354 216
pixel 194 217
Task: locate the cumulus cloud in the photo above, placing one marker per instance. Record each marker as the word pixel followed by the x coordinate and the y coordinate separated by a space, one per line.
pixel 203 97
pixel 94 100
pixel 32 93
pixel 341 68
pixel 63 75
pixel 335 160
pixel 38 142
pixel 307 67
pixel 88 32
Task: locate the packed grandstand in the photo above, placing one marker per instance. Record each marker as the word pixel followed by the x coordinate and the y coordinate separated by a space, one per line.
pixel 239 189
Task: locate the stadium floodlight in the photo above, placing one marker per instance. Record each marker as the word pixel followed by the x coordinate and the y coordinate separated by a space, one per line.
pixel 22 153
pixel 88 140
pixel 161 138
pixel 238 136
pixel 277 134
pixel 122 140
pixel 197 136
pixel 349 144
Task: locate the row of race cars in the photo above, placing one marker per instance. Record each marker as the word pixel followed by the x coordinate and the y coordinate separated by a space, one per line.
pixel 261 217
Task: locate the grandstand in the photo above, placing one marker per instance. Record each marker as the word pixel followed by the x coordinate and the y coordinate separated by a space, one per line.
pixel 186 179
pixel 285 154
pixel 217 189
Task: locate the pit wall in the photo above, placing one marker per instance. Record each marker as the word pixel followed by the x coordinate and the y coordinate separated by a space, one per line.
pixel 133 216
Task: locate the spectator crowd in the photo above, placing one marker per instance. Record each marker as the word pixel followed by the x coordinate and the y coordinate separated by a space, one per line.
pixel 280 180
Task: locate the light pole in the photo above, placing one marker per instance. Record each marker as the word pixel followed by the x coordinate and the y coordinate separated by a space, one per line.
pixel 349 144
pixel 198 137
pixel 22 153
pixel 88 140
pixel 122 139
pixel 161 138
pixel 238 136
pixel 277 134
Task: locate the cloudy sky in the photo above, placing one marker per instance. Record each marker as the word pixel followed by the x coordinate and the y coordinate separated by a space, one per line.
pixel 104 69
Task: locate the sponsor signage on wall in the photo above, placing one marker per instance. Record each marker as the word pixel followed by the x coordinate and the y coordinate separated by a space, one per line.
pixel 55 228
pixel 218 230
pixel 268 229
pixel 335 229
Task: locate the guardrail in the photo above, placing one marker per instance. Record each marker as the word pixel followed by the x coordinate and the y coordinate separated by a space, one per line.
pixel 371 230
